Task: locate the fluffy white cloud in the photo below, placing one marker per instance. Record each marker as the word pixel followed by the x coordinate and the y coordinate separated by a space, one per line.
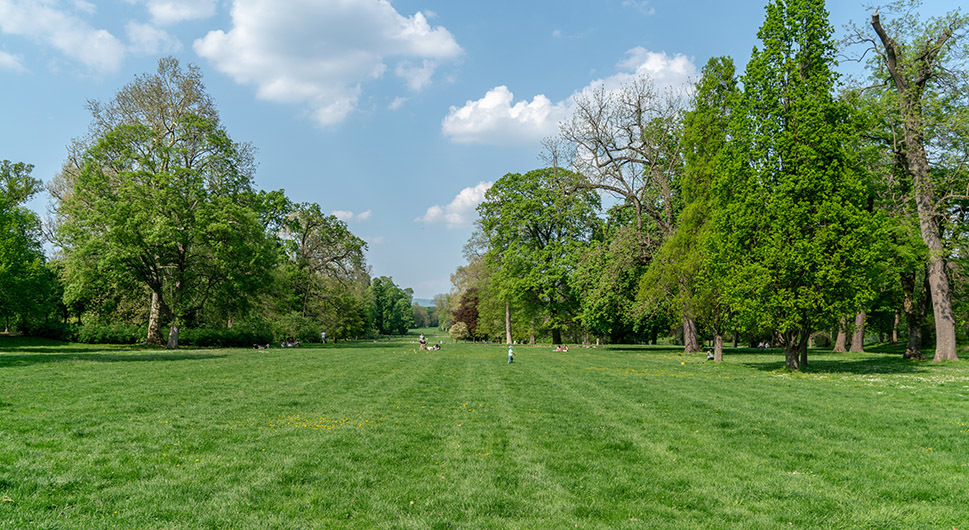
pixel 461 211
pixel 172 11
pixel 496 120
pixel 343 215
pixel 321 53
pixel 11 62
pixel 147 39
pixel 347 215
pixel 47 23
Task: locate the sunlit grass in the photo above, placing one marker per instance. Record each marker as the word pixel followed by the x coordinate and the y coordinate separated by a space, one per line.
pixel 383 435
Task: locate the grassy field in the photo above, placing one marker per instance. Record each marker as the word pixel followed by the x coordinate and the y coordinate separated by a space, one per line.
pixel 363 435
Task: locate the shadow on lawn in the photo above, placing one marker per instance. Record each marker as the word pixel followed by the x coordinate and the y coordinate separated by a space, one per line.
pixel 69 354
pixel 868 365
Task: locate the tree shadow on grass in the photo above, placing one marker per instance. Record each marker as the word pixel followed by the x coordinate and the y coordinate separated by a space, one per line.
pixel 67 355
pixel 867 365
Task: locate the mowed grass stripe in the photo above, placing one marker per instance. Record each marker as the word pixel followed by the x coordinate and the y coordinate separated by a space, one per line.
pixel 351 435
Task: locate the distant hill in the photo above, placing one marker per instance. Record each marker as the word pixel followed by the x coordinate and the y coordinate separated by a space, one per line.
pixel 424 302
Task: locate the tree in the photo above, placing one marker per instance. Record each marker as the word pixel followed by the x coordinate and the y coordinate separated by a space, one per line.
pixel 390 306
pixel 21 258
pixel 534 231
pixel 170 213
pixel 163 103
pixel 320 246
pixel 677 270
pixel 793 245
pixel 917 61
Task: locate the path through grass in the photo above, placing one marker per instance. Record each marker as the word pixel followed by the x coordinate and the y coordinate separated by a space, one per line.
pixel 381 435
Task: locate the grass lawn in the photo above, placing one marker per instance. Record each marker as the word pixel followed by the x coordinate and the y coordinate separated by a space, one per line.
pixel 363 435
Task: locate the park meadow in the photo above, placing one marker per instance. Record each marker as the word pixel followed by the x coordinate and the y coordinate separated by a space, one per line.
pixel 383 435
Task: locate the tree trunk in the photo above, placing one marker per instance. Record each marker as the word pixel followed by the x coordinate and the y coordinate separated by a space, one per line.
pixel 914 306
pixel 895 322
pixel 910 92
pixel 858 335
pixel 691 343
pixel 507 323
pixel 154 317
pixel 839 343
pixel 718 348
pixel 736 337
pixel 791 352
pixel 803 344
pixel 173 336
pixel 556 336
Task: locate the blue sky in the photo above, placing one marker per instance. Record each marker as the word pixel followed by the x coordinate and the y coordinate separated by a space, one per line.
pixel 394 116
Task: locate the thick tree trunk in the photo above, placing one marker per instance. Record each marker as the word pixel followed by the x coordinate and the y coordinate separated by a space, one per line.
pixel 791 352
pixel 173 336
pixel 154 317
pixel 858 335
pixel 839 343
pixel 914 306
pixel 556 336
pixel 691 343
pixel 802 345
pixel 507 323
pixel 910 83
pixel 718 348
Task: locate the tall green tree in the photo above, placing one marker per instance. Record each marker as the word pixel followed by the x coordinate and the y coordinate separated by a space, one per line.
pixel 172 214
pixel 534 231
pixel 922 64
pixel 390 306
pixel 21 258
pixel 793 245
pixel 676 272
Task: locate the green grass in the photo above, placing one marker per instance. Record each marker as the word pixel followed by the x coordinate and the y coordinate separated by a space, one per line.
pixel 363 435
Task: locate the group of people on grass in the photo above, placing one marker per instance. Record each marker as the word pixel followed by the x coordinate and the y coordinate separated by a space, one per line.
pixel 425 347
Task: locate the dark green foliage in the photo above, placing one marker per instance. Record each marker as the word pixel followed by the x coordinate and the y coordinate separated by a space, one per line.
pixel 110 333
pixel 535 230
pixel 22 271
pixel 794 247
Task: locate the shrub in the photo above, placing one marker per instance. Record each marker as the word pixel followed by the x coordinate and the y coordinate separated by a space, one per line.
pixel 50 330
pixel 295 325
pixel 238 336
pixel 459 331
pixel 102 333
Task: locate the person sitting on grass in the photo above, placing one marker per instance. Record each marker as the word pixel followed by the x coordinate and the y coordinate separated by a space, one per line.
pixel 709 355
pixel 557 348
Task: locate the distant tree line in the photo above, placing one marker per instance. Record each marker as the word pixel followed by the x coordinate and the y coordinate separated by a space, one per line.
pixel 783 206
pixel 161 237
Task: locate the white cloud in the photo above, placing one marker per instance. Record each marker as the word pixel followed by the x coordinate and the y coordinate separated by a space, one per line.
pixel 11 62
pixel 320 54
pixel 43 22
pixel 172 11
pixel 417 77
pixel 461 211
pixel 85 7
pixel 147 39
pixel 347 215
pixel 397 103
pixel 374 240
pixel 643 6
pixel 343 215
pixel 495 120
